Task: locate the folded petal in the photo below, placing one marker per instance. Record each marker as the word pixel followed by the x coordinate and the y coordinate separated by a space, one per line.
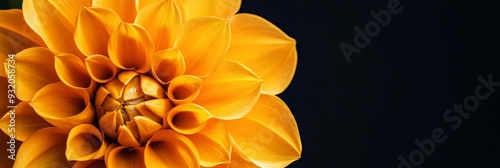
pixel 219 8
pixel 270 137
pixel 125 8
pixel 124 157
pixel 167 64
pixel 264 48
pixel 54 21
pixel 146 128
pixel 187 118
pixel 213 144
pixel 100 68
pixel 143 3
pixel 25 121
pixel 94 26
pixel 203 42
pixel 230 92
pixel 151 88
pixel 63 106
pixel 85 142
pixel 184 89
pixel 34 69
pixel 110 122
pixel 126 138
pixel 238 159
pixel 130 47
pixel 72 72
pixel 167 148
pixel 44 147
pixel 167 22
pixel 97 163
pixel 159 106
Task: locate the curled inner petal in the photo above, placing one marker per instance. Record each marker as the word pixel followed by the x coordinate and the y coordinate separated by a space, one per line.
pixel 71 70
pixel 100 68
pixel 85 142
pixel 170 149
pixel 187 118
pixel 184 89
pixel 167 64
pixel 126 157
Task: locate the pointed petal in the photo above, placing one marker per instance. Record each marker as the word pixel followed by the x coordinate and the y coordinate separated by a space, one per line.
pixel 241 90
pixel 126 8
pixel 100 68
pixel 203 42
pixel 238 160
pixel 34 70
pixel 145 111
pixel 108 124
pixel 270 137
pixel 72 72
pixel 219 8
pixel 187 118
pixel 146 127
pixel 213 144
pixel 98 163
pixel 170 149
pixel 126 138
pixel 63 106
pixel 184 89
pixel 264 48
pixel 94 26
pixel 124 157
pixel 130 47
pixel 85 142
pixel 115 87
pixel 44 147
pixel 159 106
pixel 26 121
pixel 167 64
pixel 151 88
pixel 126 76
pixel 133 90
pixel 54 21
pixel 166 26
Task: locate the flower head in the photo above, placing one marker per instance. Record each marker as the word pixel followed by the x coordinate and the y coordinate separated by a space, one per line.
pixel 151 83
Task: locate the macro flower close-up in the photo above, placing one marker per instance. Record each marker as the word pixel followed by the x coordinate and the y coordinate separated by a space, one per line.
pixel 146 83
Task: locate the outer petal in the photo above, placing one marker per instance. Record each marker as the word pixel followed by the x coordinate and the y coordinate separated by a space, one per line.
pixel 63 106
pixel 167 64
pixel 238 159
pixel 44 147
pixel 34 70
pixel 213 144
pixel 15 34
pixel 203 42
pixel 90 164
pixel 130 47
pixel 72 72
pixel 85 142
pixel 94 25
pixel 100 68
pixel 270 137
pixel 230 92
pixel 54 21
pixel 123 157
pixel 184 89
pixel 170 149
pixel 265 49
pixel 219 8
pixel 166 25
pixel 125 8
pixel 26 121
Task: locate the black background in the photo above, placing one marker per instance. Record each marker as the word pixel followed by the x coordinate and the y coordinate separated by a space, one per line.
pixel 368 112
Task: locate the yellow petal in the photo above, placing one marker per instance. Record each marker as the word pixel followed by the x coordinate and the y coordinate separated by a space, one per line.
pixel 100 68
pixel 126 138
pixel 187 118
pixel 170 149
pixel 146 127
pixel 63 106
pixel 108 151
pixel 264 48
pixel 213 144
pixel 219 8
pixel 44 147
pixel 126 76
pixel 109 123
pixel 238 160
pixel 270 137
pixel 230 92
pixel 143 3
pixel 22 121
pixel 72 72
pixel 94 25
pixel 85 142
pixel 54 21
pixel 34 69
pixel 133 90
pixel 98 163
pixel 184 89
pixel 130 47
pixel 125 8
pixel 167 21
pixel 167 64
pixel 151 88
pixel 115 87
pixel 203 42
pixel 144 110
pixel 123 157
pixel 159 106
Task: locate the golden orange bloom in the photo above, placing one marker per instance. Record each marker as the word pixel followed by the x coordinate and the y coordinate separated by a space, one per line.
pixel 149 83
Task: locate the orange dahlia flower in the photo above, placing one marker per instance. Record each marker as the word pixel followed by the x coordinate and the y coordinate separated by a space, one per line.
pixel 147 83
